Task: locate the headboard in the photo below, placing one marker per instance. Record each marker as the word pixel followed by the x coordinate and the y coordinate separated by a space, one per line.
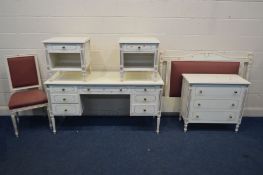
pixel 207 67
pixel 173 65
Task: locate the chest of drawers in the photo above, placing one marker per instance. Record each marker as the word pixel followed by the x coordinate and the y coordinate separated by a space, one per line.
pixel 213 98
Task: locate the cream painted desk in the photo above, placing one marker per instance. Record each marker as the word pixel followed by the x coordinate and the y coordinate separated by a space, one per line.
pixel 65 89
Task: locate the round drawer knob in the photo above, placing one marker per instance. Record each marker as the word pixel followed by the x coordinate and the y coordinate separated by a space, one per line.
pixel 139 47
pixel 63 47
pixel 145 99
pixel 235 92
pixel 145 89
pixel 199 104
pixel 230 116
pixel 63 89
pixel 144 110
pixel 88 89
pixel 64 99
pixel 121 90
pixel 200 91
pixel 65 110
pixel 233 104
pixel 197 116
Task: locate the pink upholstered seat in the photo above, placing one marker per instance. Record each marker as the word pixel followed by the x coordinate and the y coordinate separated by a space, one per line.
pixel 27 98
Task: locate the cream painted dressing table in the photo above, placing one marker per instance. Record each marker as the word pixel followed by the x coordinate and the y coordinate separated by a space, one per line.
pixel 65 89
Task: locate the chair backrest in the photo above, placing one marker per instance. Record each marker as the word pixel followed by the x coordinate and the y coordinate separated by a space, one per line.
pixel 23 72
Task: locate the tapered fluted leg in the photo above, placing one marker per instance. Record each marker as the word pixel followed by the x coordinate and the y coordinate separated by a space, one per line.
pixel 49 119
pixel 185 127
pixel 237 128
pixel 53 124
pixel 13 118
pixel 158 124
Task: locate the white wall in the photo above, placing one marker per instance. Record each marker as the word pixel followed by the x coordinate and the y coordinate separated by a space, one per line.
pixel 180 25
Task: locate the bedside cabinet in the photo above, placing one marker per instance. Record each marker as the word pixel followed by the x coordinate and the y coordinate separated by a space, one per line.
pixel 213 98
pixel 67 54
pixel 139 55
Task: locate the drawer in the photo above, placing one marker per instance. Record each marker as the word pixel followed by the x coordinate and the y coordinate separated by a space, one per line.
pixel 139 47
pixel 104 90
pixel 220 92
pixel 145 90
pixel 144 110
pixel 145 98
pixel 64 48
pixel 214 116
pixel 65 98
pixel 66 109
pixel 215 104
pixel 62 90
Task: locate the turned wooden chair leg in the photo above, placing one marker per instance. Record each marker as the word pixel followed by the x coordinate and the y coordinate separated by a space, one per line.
pixel 13 118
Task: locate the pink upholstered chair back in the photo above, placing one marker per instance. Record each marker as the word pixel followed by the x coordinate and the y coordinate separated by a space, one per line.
pixel 205 67
pixel 23 72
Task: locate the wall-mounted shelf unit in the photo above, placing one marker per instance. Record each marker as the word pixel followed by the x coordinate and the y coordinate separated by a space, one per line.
pixel 67 54
pixel 138 54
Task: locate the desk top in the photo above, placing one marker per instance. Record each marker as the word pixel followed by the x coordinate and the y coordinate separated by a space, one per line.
pixel 103 78
pixel 228 79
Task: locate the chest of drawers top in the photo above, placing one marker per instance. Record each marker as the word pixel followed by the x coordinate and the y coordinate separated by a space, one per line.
pixel 222 79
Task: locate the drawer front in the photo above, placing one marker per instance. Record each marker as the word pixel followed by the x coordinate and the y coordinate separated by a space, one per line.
pixel 62 90
pixel 65 99
pixel 64 48
pixel 104 90
pixel 145 90
pixel 215 104
pixel 66 109
pixel 220 92
pixel 214 116
pixel 139 47
pixel 145 98
pixel 143 110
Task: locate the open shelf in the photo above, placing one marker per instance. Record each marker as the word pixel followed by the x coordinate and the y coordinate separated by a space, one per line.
pixel 67 61
pixel 138 60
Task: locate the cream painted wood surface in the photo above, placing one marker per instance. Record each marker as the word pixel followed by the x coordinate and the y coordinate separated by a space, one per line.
pixel 66 91
pixel 231 27
pixel 210 98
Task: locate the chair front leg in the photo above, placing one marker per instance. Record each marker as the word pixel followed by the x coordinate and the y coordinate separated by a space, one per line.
pixel 13 118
